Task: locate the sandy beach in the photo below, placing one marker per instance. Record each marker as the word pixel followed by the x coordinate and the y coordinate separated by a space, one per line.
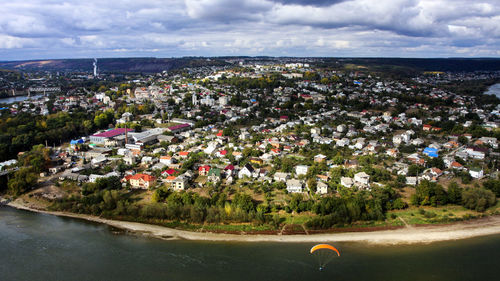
pixel 408 235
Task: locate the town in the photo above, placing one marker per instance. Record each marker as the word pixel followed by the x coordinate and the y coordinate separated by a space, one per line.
pixel 265 143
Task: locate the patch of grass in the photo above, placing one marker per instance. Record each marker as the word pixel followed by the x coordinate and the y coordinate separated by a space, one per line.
pixel 237 227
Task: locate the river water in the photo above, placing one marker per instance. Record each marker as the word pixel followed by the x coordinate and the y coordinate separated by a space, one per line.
pixel 17 99
pixel 44 247
pixel 494 90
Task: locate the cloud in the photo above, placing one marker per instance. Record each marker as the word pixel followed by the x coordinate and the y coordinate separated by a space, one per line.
pixel 50 28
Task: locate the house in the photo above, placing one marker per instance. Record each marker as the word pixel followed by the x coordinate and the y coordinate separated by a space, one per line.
pixel 476 173
pixel 244 136
pixel 93 177
pixel 319 158
pixel 129 159
pixel 203 170
pixel 183 154
pixel 347 182
pixel 148 160
pixel 214 175
pixel 456 165
pixel 279 176
pixel 294 186
pixel 229 170
pixel 141 181
pixel 301 169
pixel 436 172
pixel 261 173
pixel 168 172
pixel 411 180
pixel 321 188
pixel 246 171
pixel 179 128
pixel 167 160
pixel 179 183
pixel 257 161
pixel 392 152
pixel 324 178
pixel 107 135
pixel 361 178
pixel 221 153
pixel 431 152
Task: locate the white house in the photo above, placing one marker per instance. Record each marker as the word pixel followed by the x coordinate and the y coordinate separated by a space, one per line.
pixel 347 182
pixel 321 188
pixel 279 176
pixel 247 170
pixel 361 178
pixel 301 169
pixel 294 186
pixel 476 173
pixel 411 180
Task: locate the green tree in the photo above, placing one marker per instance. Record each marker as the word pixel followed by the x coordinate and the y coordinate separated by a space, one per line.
pixel 478 199
pixel 454 193
pixel 23 180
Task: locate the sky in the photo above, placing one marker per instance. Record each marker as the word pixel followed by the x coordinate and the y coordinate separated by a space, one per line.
pixel 49 29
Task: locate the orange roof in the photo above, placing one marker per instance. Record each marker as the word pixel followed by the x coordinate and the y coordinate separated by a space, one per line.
pixel 184 153
pixel 143 177
pixel 171 177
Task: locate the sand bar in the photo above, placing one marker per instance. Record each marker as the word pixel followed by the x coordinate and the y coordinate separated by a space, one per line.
pixel 409 235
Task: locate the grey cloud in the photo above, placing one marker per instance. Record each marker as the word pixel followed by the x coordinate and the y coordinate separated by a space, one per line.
pixel 319 3
pixel 249 27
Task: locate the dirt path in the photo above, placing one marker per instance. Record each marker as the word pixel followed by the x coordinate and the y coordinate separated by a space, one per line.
pixel 406 224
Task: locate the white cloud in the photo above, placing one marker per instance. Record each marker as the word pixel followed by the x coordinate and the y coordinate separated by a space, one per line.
pixel 250 27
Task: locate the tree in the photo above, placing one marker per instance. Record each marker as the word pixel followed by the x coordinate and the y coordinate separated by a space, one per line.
pixel 493 185
pixel 454 193
pixel 429 193
pixel 23 180
pixel 312 184
pixel 478 199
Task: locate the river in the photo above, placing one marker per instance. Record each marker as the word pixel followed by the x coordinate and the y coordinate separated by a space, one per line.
pixel 494 90
pixel 44 247
pixel 10 100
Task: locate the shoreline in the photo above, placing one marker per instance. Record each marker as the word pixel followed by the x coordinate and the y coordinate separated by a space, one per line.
pixel 409 235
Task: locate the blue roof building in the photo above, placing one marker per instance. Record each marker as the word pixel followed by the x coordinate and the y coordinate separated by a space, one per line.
pixel 431 152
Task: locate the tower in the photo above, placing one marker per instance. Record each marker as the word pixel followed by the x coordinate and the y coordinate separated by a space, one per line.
pixel 195 99
pixel 95 68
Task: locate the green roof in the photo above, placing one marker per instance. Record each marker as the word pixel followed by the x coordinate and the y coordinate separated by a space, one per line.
pixel 214 172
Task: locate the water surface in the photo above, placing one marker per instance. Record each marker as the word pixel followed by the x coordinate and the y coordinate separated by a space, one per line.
pixel 44 247
pixel 494 90
pixel 17 99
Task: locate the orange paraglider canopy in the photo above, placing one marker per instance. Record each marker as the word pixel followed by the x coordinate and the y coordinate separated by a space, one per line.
pixel 324 246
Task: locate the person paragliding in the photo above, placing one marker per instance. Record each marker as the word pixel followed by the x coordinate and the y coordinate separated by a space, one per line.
pixel 324 253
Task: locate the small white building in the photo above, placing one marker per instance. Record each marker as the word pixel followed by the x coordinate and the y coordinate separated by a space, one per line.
pixel 279 176
pixel 362 178
pixel 476 173
pixel 294 186
pixel 346 181
pixel 247 171
pixel 321 188
pixel 301 169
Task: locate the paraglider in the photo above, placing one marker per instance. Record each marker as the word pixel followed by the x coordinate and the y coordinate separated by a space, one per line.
pixel 324 253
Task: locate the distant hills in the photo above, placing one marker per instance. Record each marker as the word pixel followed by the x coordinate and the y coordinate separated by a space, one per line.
pixel 115 65
pixel 153 65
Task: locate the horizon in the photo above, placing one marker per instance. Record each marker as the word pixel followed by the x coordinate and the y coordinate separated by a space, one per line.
pixel 254 57
pixel 49 30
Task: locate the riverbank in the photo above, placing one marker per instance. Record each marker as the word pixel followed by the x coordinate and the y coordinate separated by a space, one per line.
pixel 409 235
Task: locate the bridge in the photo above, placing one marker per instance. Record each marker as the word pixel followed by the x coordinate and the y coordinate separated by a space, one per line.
pixel 44 89
pixel 9 171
